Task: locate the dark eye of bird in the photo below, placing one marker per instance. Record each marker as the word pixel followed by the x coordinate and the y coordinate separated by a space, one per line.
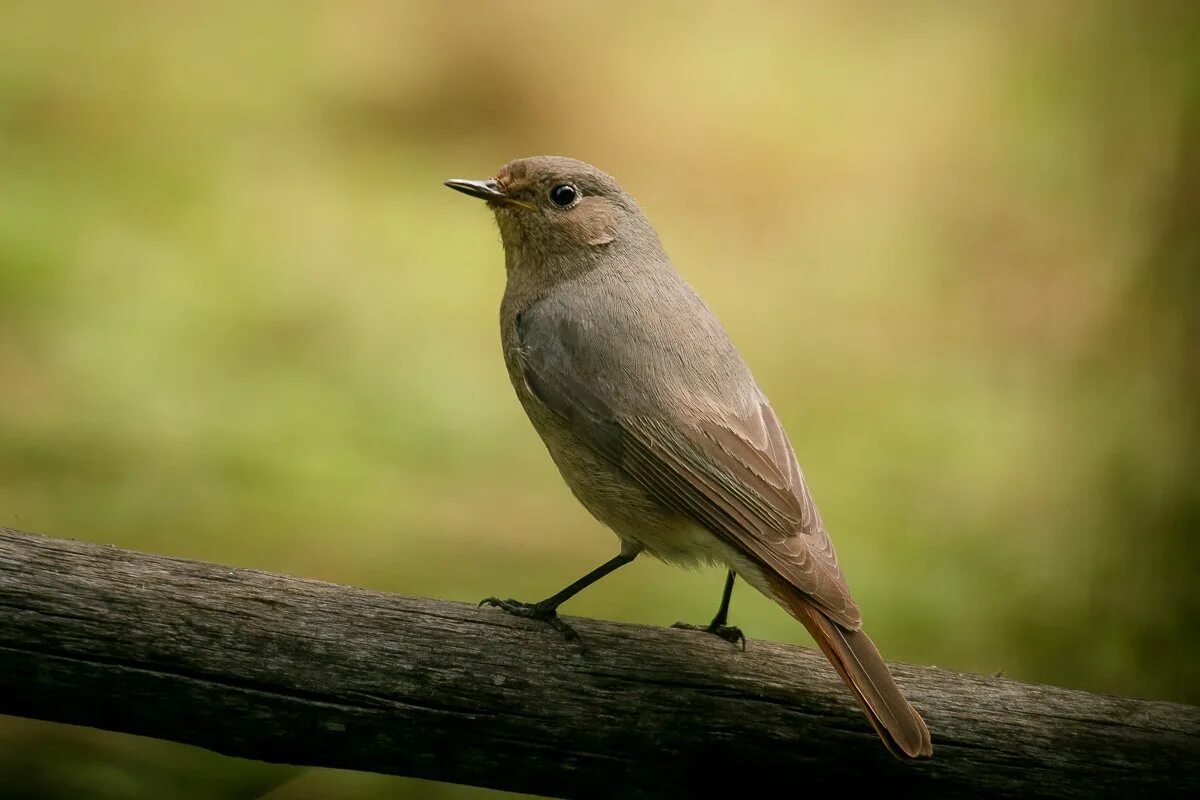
pixel 564 195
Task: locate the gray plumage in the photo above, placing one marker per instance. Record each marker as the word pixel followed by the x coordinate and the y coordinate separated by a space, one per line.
pixel 654 420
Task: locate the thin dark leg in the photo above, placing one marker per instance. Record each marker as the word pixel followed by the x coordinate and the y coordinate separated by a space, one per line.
pixel 718 626
pixel 723 612
pixel 547 610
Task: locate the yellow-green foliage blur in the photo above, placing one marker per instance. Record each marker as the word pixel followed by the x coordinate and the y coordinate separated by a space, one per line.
pixel 242 321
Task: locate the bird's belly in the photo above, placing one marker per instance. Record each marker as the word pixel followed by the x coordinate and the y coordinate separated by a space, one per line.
pixel 614 499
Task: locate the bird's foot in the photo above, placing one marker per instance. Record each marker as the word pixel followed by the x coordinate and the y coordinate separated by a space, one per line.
pixel 533 611
pixel 730 633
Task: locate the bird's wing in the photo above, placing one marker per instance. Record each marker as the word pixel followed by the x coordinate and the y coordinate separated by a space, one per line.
pixel 734 474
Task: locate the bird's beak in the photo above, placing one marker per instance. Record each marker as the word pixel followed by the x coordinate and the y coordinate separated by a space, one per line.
pixel 485 190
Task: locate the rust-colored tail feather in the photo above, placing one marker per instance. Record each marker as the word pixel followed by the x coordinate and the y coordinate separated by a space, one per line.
pixel 856 660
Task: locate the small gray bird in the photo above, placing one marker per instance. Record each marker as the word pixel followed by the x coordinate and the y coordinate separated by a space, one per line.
pixel 656 423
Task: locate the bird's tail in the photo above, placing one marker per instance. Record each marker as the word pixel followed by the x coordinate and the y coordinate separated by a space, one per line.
pixel 855 658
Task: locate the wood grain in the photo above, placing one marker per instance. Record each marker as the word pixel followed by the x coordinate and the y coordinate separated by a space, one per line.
pixel 285 669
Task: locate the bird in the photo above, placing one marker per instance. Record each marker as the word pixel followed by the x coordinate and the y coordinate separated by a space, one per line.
pixel 656 423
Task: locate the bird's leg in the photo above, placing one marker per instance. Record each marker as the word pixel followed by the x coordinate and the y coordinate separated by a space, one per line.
pixel 547 610
pixel 718 626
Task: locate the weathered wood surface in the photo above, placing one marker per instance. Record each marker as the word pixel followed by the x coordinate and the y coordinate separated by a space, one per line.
pixel 291 670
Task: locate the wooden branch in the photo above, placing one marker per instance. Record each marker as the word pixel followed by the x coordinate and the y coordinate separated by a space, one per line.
pixel 291 670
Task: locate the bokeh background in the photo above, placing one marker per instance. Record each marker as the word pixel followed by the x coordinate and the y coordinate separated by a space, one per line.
pixel 241 320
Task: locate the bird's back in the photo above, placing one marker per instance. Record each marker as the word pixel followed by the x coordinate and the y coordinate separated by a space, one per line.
pixel 645 337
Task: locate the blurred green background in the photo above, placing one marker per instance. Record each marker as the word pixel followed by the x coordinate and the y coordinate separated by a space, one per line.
pixel 241 320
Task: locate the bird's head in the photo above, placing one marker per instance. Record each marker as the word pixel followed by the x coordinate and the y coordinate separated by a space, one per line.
pixel 549 208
